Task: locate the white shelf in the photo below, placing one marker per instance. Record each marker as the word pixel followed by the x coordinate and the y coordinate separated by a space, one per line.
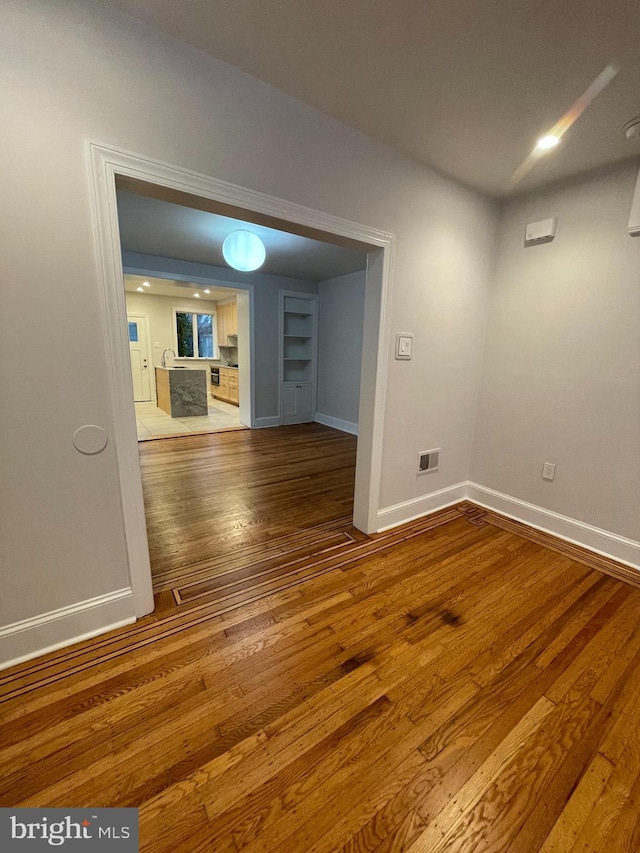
pixel 298 345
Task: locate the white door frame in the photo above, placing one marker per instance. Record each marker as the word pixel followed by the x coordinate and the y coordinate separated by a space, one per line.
pixel 105 164
pixel 147 328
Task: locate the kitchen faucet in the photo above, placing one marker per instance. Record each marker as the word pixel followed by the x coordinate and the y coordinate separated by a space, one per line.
pixel 164 360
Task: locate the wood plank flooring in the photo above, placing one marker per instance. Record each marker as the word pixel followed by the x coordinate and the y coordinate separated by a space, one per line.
pixel 450 685
pixel 207 496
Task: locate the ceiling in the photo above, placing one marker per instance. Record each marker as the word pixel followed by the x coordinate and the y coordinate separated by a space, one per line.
pixel 184 289
pixel 464 86
pixel 157 227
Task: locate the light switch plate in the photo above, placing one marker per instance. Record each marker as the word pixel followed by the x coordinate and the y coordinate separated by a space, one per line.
pixel 404 344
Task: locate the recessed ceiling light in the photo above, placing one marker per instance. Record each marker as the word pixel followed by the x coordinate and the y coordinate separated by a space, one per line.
pixel 196 296
pixel 140 290
pixel 207 291
pixel 146 284
pixel 547 142
pixel 632 128
pixel 244 251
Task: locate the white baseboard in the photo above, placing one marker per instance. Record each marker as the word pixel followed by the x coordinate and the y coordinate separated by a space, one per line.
pixel 337 423
pixel 39 635
pixel 595 539
pixel 261 423
pixel 392 516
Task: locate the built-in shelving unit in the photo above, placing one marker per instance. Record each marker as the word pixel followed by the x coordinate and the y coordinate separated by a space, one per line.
pixel 298 356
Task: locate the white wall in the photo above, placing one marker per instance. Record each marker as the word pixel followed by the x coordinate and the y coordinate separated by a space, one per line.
pixel 340 318
pixel 77 71
pixel 561 377
pixel 160 312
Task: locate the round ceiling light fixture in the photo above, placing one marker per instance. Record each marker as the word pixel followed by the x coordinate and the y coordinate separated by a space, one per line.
pixel 244 251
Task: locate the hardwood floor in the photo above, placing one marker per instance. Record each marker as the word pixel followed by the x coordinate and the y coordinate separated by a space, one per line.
pixel 207 496
pixel 450 685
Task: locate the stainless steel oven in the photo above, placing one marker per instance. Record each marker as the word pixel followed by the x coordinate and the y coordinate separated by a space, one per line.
pixel 215 376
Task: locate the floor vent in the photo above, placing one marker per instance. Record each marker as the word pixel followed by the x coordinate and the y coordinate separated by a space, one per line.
pixel 428 460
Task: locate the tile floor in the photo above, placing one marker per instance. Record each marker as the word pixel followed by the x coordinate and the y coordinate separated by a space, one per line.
pixel 153 422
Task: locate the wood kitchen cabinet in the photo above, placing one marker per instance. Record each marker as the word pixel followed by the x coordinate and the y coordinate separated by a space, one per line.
pixel 233 388
pixel 228 389
pixel 226 321
pixel 221 324
pixel 232 318
pixel 223 388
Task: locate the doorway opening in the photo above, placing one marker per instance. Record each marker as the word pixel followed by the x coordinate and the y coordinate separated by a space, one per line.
pixel 126 172
pixel 306 329
pixel 186 327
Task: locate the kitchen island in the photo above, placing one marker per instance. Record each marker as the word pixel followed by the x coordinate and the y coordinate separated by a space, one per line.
pixel 181 392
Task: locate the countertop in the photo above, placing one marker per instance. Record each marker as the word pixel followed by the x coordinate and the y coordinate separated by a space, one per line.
pixel 179 367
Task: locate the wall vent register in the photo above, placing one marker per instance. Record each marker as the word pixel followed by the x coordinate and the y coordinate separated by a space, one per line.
pixel 428 460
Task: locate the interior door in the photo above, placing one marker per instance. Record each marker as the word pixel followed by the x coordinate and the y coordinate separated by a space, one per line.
pixel 139 352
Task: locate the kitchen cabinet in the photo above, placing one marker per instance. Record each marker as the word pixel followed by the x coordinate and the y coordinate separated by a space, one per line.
pixel 233 388
pixel 226 321
pixel 232 318
pixel 221 324
pixel 228 389
pixel 298 356
pixel 223 388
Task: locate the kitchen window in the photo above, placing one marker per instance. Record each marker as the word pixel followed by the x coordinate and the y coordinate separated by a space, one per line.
pixel 194 334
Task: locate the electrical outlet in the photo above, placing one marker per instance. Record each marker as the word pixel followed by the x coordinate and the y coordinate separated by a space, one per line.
pixel 548 471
